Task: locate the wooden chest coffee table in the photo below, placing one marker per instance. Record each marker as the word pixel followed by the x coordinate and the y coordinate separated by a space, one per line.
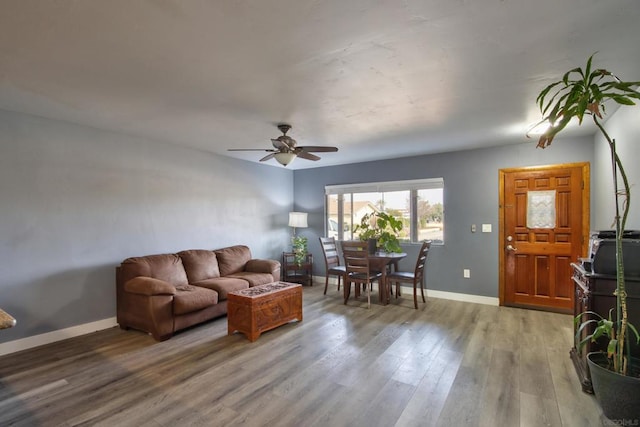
pixel 261 308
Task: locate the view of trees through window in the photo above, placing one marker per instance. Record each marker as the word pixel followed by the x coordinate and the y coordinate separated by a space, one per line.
pixel 421 211
pixel 430 215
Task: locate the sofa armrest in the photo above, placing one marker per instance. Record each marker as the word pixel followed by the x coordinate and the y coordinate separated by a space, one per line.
pixel 264 266
pixel 149 286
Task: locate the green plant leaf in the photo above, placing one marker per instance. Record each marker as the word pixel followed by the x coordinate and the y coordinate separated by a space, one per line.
pixel 583 325
pixel 565 78
pixel 582 106
pixel 587 70
pixel 543 94
pixel 578 317
pixel 598 332
pixel 623 100
pixel 635 331
pixel 612 348
pixel 597 93
pixel 553 101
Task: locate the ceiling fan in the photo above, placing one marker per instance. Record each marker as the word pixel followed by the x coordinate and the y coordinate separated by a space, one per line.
pixel 285 149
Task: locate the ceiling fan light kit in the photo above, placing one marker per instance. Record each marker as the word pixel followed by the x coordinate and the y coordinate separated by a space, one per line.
pixel 285 149
pixel 284 158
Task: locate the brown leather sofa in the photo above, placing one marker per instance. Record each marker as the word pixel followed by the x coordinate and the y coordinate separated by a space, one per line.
pixel 162 294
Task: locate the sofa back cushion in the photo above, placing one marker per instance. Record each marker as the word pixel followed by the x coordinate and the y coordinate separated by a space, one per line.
pixel 167 267
pixel 200 264
pixel 232 259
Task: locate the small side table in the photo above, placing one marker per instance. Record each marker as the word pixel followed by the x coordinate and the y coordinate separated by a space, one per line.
pixel 293 273
pixel 6 320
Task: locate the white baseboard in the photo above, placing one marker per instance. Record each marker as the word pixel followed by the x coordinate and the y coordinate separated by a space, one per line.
pixel 454 296
pixel 59 335
pixel 478 299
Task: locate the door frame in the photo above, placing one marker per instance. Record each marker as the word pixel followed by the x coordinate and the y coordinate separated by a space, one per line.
pixel 586 212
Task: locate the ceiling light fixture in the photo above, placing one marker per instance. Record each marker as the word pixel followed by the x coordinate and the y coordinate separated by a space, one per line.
pixel 284 158
pixel 538 128
pixel 542 127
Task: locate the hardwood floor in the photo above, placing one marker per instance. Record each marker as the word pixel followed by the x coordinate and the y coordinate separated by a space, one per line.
pixel 447 364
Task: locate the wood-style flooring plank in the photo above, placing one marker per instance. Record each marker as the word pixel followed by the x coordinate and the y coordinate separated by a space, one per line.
pixel 385 408
pixel 448 363
pixel 576 409
pixel 538 411
pixel 500 398
pixel 425 406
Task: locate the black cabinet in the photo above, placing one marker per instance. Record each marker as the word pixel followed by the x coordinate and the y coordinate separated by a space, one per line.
pixel 594 292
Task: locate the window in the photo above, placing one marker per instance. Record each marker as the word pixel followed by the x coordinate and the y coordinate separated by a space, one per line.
pixel 418 203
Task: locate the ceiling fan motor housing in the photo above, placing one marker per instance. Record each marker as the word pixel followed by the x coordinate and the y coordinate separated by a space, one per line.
pixel 284 128
pixel 288 142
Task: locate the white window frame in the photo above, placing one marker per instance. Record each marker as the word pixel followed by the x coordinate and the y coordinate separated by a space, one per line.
pixel 380 187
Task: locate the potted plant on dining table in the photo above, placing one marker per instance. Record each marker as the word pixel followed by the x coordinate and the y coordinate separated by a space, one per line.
pixel 381 230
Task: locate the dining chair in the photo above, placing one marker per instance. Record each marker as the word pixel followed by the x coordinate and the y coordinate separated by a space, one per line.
pixel 356 260
pixel 415 277
pixel 331 261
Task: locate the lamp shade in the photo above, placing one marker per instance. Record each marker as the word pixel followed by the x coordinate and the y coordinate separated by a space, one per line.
pixel 298 219
pixel 284 158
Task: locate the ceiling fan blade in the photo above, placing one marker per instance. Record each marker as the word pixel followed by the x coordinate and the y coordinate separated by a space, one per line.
pixel 308 156
pixel 318 149
pixel 250 149
pixel 267 157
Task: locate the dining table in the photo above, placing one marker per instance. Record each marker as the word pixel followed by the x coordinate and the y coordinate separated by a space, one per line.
pixel 379 261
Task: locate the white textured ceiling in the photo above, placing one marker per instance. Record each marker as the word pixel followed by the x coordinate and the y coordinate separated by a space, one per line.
pixel 378 79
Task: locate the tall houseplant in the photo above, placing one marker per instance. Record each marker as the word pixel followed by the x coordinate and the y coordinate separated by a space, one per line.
pixel 580 93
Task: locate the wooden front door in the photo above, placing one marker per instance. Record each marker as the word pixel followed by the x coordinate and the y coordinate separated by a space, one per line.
pixel 544 226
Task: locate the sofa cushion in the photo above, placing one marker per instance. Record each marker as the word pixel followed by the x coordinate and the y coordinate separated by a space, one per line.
pixel 223 285
pixel 264 266
pixel 192 298
pixel 167 267
pixel 143 285
pixel 254 279
pixel 200 264
pixel 232 259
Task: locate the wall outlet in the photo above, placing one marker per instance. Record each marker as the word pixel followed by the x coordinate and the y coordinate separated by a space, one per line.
pixel 486 228
pixel 466 273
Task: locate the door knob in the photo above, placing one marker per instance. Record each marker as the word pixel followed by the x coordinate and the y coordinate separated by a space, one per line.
pixel 511 248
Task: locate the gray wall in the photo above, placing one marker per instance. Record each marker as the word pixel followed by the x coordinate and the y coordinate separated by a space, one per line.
pixel 76 201
pixel 471 197
pixel 624 127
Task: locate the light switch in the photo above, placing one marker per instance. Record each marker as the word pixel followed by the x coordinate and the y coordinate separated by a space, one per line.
pixel 473 228
pixel 486 228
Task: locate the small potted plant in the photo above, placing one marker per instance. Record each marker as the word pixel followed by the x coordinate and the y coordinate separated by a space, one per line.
pixel 299 246
pixel 381 231
pixel 583 92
